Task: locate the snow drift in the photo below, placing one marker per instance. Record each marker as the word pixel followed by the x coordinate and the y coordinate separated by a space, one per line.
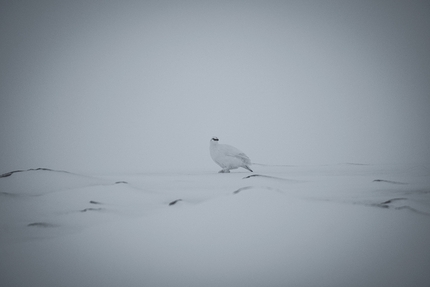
pixel 340 225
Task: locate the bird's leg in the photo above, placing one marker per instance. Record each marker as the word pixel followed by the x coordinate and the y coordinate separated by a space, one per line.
pixel 224 171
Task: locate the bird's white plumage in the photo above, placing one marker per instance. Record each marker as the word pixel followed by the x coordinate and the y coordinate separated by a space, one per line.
pixel 228 157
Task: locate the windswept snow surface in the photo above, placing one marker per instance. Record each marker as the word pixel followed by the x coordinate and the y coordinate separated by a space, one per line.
pixel 336 225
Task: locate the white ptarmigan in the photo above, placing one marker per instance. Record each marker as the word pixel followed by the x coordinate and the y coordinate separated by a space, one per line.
pixel 228 157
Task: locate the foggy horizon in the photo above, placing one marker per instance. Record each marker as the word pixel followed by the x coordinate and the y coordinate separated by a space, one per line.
pixel 118 86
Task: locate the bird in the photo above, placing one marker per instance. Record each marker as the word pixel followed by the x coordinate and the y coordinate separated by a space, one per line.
pixel 228 157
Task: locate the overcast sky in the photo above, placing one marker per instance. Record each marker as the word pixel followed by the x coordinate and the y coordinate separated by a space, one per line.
pixel 143 85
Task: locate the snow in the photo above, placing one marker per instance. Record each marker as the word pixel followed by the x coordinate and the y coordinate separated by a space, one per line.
pixel 334 225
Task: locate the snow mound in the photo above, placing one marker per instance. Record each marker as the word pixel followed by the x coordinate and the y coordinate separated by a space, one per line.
pixel 283 226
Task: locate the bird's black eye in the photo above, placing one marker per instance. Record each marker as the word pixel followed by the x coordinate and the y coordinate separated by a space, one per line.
pixel 215 139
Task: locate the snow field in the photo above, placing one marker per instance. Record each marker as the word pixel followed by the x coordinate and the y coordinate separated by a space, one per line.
pixel 343 225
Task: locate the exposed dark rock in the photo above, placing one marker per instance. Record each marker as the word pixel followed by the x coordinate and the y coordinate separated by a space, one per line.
pixel 266 176
pixel 386 203
pixel 42 224
pixel 394 199
pixel 91 209
pixel 272 177
pixel 7 174
pixel 175 201
pixel 242 188
pixel 389 181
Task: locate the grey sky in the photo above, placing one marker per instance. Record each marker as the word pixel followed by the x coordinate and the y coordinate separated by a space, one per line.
pixel 144 85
